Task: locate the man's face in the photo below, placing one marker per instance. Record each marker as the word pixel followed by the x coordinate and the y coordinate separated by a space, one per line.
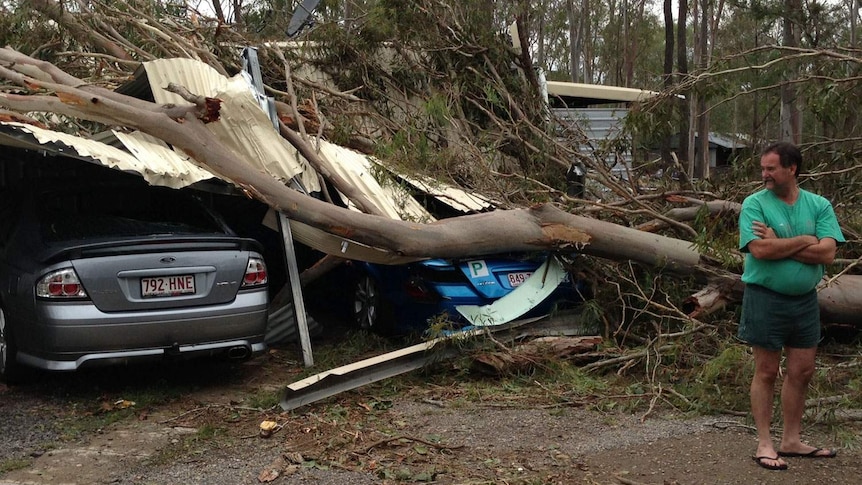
pixel 776 177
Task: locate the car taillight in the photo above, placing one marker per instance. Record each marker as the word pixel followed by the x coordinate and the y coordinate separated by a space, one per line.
pixel 417 290
pixel 255 273
pixel 60 284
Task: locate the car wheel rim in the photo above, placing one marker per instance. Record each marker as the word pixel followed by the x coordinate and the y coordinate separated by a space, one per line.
pixel 365 303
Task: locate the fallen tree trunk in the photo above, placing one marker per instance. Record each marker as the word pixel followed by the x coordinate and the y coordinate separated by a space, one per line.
pixel 713 297
pixel 539 228
pixel 689 213
pixel 839 298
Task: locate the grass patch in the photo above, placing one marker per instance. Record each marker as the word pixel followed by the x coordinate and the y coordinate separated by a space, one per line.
pixel 12 464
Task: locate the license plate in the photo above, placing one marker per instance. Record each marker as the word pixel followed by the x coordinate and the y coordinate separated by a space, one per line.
pixel 167 285
pixel 515 279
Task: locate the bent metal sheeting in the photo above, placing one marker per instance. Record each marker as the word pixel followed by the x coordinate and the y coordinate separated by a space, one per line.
pixel 171 170
pixel 248 132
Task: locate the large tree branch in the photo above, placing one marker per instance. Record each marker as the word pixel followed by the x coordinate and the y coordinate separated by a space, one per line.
pixel 539 228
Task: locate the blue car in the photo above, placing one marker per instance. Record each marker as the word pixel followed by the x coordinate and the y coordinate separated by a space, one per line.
pixel 409 298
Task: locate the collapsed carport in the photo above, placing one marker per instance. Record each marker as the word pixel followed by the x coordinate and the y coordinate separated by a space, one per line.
pixel 247 130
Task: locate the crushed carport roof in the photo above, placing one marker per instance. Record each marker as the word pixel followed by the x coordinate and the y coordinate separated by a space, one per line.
pixel 247 130
pixel 171 170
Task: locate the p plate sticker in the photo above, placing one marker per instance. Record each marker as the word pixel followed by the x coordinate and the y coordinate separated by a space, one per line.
pixel 478 269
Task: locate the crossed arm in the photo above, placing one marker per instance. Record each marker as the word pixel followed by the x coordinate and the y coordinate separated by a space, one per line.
pixel 805 249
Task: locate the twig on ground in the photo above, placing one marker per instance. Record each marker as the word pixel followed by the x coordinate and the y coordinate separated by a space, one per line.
pixel 403 437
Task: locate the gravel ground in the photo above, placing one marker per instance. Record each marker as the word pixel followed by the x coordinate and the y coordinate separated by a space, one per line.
pixel 206 432
pixel 490 443
pixel 23 425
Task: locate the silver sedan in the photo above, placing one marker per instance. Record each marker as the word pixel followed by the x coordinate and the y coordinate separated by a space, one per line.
pixel 123 272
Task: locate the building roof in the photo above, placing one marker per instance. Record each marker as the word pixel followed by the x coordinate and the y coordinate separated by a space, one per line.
pixel 580 95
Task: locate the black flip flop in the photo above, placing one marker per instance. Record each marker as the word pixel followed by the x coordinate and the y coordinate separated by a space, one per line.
pixel 759 461
pixel 811 454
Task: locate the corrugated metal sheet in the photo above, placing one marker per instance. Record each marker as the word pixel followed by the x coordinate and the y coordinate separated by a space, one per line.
pixel 243 127
pixel 452 196
pixel 247 130
pixel 581 95
pixel 600 125
pixel 172 170
pixel 596 123
pixel 356 168
pixel 152 162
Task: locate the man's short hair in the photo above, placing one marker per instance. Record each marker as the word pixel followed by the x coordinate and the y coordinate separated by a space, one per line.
pixel 788 154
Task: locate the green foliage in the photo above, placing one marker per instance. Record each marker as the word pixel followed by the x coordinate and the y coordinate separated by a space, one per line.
pixel 592 317
pixel 263 400
pixel 723 380
pixel 575 381
pixel 717 237
pixel 356 346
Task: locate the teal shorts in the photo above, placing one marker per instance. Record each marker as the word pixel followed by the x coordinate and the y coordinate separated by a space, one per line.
pixel 773 321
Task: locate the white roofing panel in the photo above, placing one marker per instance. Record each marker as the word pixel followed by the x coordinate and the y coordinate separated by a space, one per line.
pixel 356 168
pixel 450 195
pixel 243 126
pixel 248 131
pixel 536 289
pixel 598 93
pixel 162 165
pixel 148 160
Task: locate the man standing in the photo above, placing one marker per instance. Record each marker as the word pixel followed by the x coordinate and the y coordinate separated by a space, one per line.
pixel 788 234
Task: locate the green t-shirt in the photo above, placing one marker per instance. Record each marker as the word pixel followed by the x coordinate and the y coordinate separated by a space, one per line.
pixel 810 215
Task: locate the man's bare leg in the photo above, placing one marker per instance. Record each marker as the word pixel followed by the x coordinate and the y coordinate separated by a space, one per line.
pixel 766 364
pixel 800 370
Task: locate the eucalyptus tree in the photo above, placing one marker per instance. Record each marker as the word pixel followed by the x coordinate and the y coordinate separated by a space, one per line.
pixel 785 42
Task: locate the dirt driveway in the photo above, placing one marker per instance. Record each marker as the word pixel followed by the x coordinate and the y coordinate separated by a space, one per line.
pixel 198 423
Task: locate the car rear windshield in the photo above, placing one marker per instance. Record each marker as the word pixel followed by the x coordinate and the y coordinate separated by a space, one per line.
pixel 107 212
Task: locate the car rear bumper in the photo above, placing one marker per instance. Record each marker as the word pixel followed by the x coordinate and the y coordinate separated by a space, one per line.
pixel 70 335
pixel 238 348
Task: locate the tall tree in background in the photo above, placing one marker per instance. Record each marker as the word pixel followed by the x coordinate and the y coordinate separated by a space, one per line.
pixel 854 15
pixel 577 40
pixel 682 69
pixel 667 9
pixel 791 118
pixel 701 165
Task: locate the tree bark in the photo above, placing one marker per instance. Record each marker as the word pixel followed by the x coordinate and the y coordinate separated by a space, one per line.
pixel 55 12
pixel 689 213
pixel 791 124
pixel 682 67
pixel 575 41
pixel 840 299
pixel 667 160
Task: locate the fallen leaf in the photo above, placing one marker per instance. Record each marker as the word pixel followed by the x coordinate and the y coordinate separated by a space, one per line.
pixel 268 475
pixel 123 404
pixel 267 428
pixel 294 457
